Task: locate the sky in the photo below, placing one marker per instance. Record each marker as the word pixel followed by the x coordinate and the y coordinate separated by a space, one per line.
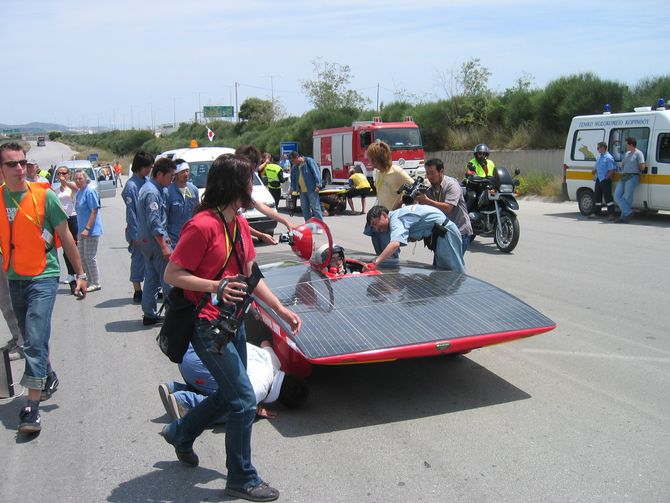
pixel 122 63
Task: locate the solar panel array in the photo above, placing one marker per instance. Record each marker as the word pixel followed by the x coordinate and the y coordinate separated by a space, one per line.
pixel 401 307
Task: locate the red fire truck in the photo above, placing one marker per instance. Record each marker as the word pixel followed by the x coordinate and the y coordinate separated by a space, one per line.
pixel 338 149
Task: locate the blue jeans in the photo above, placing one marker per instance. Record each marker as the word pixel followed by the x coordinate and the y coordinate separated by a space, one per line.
pixel 33 302
pixel 188 400
pixel 625 190
pixel 466 242
pixel 234 397
pixel 449 250
pixel 310 204
pixel 154 269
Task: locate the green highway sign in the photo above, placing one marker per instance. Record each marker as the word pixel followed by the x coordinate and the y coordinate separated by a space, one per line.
pixel 216 112
pixel 10 131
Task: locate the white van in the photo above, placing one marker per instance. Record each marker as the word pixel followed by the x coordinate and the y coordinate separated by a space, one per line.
pixel 200 159
pixel 650 127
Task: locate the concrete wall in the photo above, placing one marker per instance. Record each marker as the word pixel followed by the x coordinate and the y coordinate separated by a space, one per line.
pixel 549 161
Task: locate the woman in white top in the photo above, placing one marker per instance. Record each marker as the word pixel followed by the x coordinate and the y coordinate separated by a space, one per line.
pixel 67 196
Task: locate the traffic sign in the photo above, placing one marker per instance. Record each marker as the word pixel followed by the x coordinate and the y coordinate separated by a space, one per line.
pixel 92 157
pixel 288 146
pixel 217 112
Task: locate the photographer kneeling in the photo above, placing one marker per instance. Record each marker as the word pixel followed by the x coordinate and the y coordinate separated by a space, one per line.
pixel 415 222
pixel 215 245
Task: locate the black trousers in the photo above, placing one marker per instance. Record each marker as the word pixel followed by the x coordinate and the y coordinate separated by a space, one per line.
pixel 604 191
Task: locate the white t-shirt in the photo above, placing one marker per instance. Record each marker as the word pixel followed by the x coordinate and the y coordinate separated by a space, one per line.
pixel 264 374
pixel 67 201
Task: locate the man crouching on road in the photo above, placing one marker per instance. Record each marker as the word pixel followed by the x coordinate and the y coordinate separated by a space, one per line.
pixel 30 213
pixel 415 222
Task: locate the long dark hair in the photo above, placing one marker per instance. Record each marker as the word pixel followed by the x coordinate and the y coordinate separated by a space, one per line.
pixel 228 180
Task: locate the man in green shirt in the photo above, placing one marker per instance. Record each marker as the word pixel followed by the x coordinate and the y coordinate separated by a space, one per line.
pixel 30 218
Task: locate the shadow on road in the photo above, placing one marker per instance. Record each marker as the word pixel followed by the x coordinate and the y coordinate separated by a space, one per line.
pixel 347 397
pixel 125 326
pixel 120 302
pixel 661 220
pixel 170 481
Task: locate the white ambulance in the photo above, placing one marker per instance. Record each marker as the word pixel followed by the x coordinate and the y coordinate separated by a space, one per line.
pixel 649 126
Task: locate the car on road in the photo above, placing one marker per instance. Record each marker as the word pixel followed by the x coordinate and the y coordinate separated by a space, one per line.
pixel 200 159
pixel 104 188
pixel 41 141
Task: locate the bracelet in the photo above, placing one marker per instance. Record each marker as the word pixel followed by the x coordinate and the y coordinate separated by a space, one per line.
pixel 87 228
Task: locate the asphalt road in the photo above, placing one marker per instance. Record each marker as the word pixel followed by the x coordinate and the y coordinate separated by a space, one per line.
pixel 578 414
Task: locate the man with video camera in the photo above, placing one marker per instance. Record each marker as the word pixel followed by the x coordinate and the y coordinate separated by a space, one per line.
pixel 214 248
pixel 446 194
pixel 418 222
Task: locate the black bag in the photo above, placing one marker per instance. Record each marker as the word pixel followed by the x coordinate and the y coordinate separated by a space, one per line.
pixel 178 326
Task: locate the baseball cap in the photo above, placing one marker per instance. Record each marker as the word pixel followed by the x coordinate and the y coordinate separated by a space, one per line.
pixel 32 161
pixel 182 167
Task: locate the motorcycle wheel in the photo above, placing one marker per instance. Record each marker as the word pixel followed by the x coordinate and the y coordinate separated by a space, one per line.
pixel 507 237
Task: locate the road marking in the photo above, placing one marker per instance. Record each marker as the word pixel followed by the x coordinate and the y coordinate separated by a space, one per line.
pixel 597 355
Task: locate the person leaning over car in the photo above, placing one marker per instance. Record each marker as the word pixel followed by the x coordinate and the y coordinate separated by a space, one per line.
pixel 446 194
pixel 418 222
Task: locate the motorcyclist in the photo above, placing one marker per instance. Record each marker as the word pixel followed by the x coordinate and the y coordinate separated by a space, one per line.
pixel 480 165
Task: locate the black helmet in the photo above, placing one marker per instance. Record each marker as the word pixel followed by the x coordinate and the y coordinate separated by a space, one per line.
pixel 482 148
pixel 337 250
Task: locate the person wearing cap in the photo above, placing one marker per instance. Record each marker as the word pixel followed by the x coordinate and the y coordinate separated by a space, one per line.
pixel 182 200
pixel 306 179
pixel 32 172
pixel 269 382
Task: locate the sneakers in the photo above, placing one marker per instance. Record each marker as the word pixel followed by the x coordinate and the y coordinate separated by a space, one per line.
pixel 137 297
pixel 172 407
pixel 50 386
pixel 150 320
pixel 184 454
pixel 261 492
pixel 30 420
pixel 93 288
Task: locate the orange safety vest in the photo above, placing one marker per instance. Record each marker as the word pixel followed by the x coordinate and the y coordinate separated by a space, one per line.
pixel 22 239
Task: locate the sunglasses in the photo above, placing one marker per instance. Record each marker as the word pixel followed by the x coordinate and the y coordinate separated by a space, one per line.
pixel 13 164
pixel 63 172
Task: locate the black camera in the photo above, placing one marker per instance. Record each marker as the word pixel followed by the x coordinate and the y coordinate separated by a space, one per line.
pixel 227 323
pixel 287 237
pixel 409 192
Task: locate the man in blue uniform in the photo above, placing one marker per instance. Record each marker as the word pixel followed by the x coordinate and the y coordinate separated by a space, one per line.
pixel 306 179
pixel 152 232
pixel 415 222
pixel 182 200
pixel 141 167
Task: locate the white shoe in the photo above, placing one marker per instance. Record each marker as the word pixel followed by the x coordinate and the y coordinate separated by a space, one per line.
pixel 68 279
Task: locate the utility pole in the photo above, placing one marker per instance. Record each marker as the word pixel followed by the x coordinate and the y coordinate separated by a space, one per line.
pixel 174 112
pixel 236 108
pixel 377 97
pixel 132 126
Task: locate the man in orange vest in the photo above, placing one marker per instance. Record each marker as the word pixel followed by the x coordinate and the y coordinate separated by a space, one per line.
pixel 31 220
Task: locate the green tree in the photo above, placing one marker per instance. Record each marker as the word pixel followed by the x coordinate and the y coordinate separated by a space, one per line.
pixel 258 112
pixel 473 78
pixel 330 89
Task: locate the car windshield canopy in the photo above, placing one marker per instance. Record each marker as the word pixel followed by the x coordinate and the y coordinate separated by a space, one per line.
pixel 399 138
pixel 200 169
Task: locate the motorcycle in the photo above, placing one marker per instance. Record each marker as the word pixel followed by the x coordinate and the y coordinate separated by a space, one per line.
pixel 491 206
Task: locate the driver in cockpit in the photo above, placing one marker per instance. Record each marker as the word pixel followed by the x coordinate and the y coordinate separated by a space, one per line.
pixel 337 263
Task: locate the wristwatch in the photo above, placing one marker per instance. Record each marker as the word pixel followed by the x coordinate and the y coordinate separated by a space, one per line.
pixel 81 276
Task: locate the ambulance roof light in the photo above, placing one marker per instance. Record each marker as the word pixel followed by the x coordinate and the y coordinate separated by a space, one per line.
pixel 607 109
pixel 661 104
